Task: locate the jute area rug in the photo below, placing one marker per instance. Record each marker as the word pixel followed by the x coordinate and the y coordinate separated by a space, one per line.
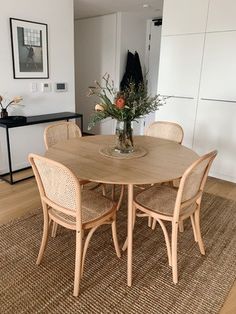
pixel 204 281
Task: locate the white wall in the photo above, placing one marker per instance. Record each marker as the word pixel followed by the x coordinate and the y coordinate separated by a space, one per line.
pixel 132 37
pixel 95 55
pixel 101 45
pixel 58 14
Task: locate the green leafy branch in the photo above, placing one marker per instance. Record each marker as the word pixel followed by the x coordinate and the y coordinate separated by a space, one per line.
pixel 135 101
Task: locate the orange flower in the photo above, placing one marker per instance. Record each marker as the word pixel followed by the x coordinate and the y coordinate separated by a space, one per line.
pixel 120 103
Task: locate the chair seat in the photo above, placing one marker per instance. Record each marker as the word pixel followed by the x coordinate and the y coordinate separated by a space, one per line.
pixel 94 206
pixel 160 199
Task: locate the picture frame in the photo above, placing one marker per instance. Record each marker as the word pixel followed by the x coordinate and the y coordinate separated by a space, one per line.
pixel 29 41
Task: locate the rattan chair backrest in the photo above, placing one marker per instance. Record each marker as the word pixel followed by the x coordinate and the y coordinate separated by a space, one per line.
pixel 60 132
pixel 166 130
pixel 193 181
pixel 57 184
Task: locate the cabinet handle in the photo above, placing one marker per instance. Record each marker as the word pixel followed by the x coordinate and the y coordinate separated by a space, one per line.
pixel 175 96
pixel 221 100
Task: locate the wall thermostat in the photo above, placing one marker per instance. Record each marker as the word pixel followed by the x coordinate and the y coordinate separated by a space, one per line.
pixel 61 87
pixel 46 87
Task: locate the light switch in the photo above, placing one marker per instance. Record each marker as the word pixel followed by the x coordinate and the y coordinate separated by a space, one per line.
pixel 33 87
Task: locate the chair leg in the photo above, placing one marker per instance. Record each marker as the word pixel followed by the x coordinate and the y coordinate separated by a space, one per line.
pixel 115 239
pixel 113 192
pixel 95 187
pixel 46 228
pixel 154 224
pixel 149 221
pixel 167 240
pixel 174 238
pixel 121 197
pixel 54 229
pixel 78 262
pixel 181 226
pixel 198 231
pixel 103 190
pixel 194 228
pixel 86 243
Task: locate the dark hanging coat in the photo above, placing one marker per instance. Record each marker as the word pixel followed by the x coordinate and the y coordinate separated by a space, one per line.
pixel 133 71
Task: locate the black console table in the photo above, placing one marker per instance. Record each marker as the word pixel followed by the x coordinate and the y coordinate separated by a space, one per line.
pixel 14 122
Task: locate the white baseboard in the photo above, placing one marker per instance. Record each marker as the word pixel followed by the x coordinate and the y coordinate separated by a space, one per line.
pixel 16 167
pixel 223 177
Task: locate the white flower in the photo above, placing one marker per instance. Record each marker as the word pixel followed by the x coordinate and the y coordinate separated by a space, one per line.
pixel 160 98
pixel 16 100
pixel 99 107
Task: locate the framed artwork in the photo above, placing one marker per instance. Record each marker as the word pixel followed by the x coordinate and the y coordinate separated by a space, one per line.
pixel 29 49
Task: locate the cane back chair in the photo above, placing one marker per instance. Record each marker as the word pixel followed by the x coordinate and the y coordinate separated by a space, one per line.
pixel 65 203
pixel 165 203
pixel 168 131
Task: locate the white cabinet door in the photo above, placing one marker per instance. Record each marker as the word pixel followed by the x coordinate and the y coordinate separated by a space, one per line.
pixel 95 53
pixel 180 65
pixel 216 129
pixel 153 57
pixel 181 111
pixel 184 16
pixel 221 15
pixel 219 67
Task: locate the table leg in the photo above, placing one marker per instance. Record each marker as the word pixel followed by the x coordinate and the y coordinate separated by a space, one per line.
pixel 130 234
pixel 9 156
pixel 81 124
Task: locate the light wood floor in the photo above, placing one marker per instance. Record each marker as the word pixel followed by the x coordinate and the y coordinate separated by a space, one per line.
pixel 22 197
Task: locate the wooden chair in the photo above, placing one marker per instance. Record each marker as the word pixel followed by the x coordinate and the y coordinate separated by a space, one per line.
pixel 164 203
pixel 59 132
pixel 168 131
pixel 64 202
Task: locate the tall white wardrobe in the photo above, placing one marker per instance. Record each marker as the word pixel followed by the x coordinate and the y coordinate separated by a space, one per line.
pixel 198 71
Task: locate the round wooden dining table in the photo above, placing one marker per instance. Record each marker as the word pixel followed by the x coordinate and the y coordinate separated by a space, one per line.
pixel 164 161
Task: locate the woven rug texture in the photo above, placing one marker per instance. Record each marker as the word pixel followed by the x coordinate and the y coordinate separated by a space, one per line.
pixel 204 281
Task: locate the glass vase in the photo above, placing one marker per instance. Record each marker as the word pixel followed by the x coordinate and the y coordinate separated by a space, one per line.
pixel 124 137
pixel 4 113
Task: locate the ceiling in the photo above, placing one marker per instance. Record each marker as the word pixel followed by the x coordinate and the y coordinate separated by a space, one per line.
pixel 89 8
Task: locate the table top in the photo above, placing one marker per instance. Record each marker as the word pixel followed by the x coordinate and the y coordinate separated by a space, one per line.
pixel 30 120
pixel 165 160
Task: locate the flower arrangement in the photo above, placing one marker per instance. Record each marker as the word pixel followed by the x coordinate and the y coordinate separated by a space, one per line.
pixel 15 101
pixel 125 106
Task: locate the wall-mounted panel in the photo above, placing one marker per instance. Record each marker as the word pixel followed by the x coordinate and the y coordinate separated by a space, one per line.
pixel 216 129
pixel 180 65
pixel 181 111
pixel 184 16
pixel 219 66
pixel 221 15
